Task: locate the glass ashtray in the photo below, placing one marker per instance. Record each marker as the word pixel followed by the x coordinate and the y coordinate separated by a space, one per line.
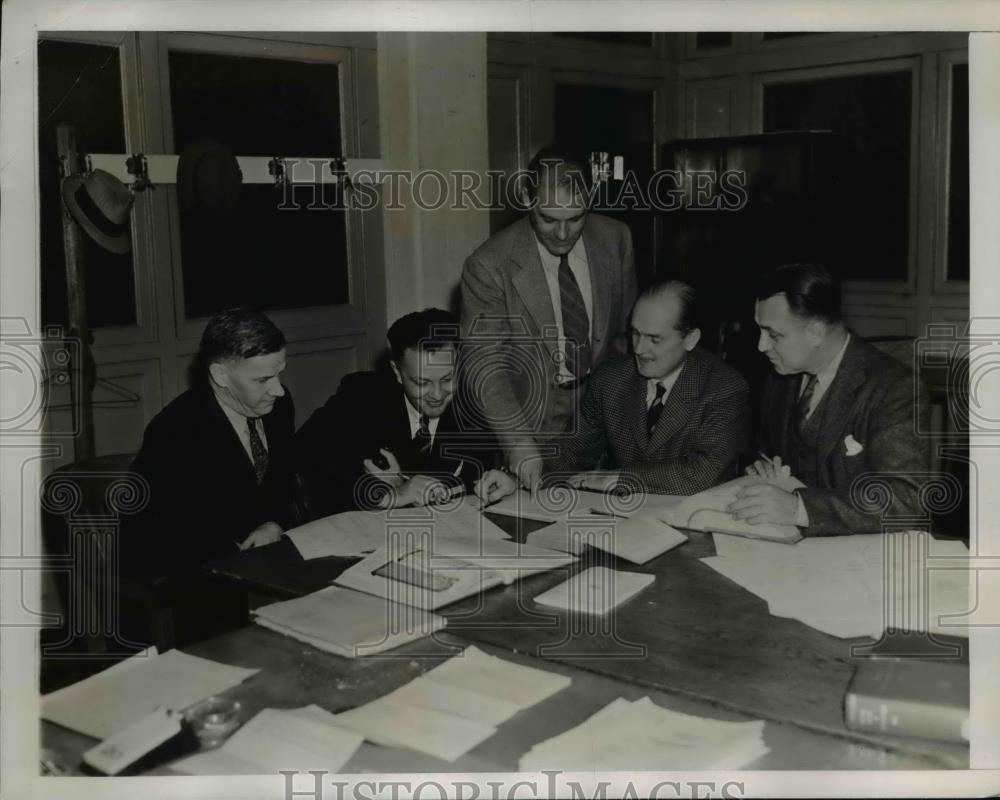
pixel 213 720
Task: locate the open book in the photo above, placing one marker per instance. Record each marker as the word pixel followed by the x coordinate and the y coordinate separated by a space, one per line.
pixel 706 511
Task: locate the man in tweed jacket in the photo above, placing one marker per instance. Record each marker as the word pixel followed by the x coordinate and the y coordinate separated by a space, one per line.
pixel 669 419
pixel 841 415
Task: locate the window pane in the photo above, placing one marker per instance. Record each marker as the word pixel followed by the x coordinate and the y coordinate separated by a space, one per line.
pixel 80 84
pixel 873 115
pixel 958 176
pixel 709 39
pixel 261 255
pixel 632 38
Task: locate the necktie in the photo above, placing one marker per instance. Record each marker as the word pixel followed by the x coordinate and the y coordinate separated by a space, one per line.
pixel 422 438
pixel 805 400
pixel 257 449
pixel 576 323
pixel 656 409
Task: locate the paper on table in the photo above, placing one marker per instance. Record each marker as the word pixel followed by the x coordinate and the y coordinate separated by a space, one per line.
pixel 109 701
pixel 398 724
pixel 595 590
pixel 706 511
pixel 277 740
pixel 347 622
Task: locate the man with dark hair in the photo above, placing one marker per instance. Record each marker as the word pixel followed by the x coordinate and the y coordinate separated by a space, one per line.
pixel 670 419
pixel 544 302
pixel 838 413
pixel 397 438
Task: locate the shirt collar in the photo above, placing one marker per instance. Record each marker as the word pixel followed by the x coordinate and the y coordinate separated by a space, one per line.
pixel 549 261
pixel 235 417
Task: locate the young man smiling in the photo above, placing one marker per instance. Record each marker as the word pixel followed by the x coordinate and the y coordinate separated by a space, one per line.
pixel 401 436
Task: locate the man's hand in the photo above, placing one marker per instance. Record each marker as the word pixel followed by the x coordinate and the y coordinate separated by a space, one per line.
pixel 265 534
pixel 391 475
pixel 770 468
pixel 764 502
pixel 419 490
pixel 595 481
pixel 526 463
pixel 494 485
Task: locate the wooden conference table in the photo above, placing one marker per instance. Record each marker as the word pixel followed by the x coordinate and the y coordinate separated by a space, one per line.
pixel 693 641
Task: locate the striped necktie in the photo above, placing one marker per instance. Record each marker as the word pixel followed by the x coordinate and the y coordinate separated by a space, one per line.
pixel 257 450
pixel 422 438
pixel 575 322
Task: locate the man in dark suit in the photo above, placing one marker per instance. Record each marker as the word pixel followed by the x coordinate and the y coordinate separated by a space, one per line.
pixel 838 413
pixel 670 419
pixel 399 437
pixel 544 302
pixel 218 457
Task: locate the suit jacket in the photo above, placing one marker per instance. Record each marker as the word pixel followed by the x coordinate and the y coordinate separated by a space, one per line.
pixel 871 400
pixel 368 413
pixel 509 325
pixel 697 440
pixel 203 490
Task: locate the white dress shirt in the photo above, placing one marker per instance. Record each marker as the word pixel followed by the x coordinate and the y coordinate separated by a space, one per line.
pixel 667 382
pixel 239 423
pixel 414 416
pixel 577 259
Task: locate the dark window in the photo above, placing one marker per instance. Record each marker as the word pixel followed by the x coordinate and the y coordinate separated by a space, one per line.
pixel 958 176
pixel 771 36
pixel 80 84
pixel 261 255
pixel 872 114
pixel 710 39
pixel 633 38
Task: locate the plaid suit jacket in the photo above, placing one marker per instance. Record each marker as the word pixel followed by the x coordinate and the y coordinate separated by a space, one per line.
pixel 694 446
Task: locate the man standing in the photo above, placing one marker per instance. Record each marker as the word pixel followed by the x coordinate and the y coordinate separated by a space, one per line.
pixel 399 437
pixel 544 302
pixel 670 419
pixel 218 457
pixel 838 412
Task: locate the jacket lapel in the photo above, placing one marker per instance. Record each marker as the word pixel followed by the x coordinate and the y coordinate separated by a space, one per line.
pixel 678 404
pixel 221 429
pixel 600 263
pixel 840 399
pixel 530 284
pixel 636 409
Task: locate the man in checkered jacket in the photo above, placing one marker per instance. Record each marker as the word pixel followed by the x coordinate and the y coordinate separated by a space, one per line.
pixel 671 418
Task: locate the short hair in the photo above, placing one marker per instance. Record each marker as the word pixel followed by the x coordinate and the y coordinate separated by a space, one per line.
pixel 238 333
pixel 689 317
pixel 430 329
pixel 561 165
pixel 812 290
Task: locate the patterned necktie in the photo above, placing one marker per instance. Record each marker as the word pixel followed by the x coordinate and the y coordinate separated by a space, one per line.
pixel 576 323
pixel 422 438
pixel 656 409
pixel 805 400
pixel 257 449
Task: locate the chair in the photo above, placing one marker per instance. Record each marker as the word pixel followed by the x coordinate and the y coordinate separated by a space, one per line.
pixel 106 614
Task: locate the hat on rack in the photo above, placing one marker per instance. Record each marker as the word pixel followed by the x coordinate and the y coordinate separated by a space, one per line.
pixel 208 177
pixel 100 203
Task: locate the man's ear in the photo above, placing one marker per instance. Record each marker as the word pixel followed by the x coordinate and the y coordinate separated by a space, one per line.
pixel 692 338
pixel 816 331
pixel 218 374
pixel 396 372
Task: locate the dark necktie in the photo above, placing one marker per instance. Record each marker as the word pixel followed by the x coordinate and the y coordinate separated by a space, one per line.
pixel 804 401
pixel 576 323
pixel 257 449
pixel 655 410
pixel 422 438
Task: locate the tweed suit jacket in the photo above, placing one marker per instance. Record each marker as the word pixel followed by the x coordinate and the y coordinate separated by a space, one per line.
pixel 867 450
pixel 509 325
pixel 696 442
pixel 203 490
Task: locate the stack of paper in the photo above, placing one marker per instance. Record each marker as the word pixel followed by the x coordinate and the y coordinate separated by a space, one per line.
pixel 110 701
pixel 348 623
pixel 448 711
pixel 428 575
pixel 642 736
pixel 638 539
pixel 852 586
pixel 300 740
pixel 595 591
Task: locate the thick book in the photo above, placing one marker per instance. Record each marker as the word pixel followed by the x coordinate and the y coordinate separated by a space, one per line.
pixel 906 697
pixel 706 511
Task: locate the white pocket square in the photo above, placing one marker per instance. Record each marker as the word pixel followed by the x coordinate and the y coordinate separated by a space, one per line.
pixel 852 446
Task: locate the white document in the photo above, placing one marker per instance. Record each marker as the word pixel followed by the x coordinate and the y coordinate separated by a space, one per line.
pixel 277 740
pixel 638 539
pixel 706 511
pixel 643 736
pixel 347 622
pixel 109 701
pixel 595 590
